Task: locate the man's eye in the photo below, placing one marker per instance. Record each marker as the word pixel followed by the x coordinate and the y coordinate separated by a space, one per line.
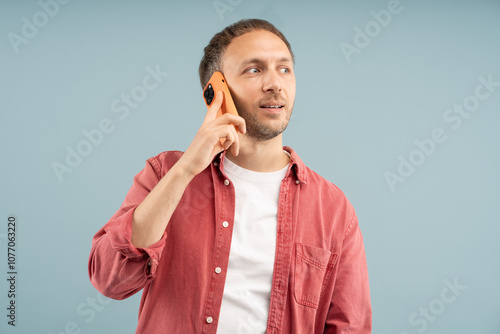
pixel 285 70
pixel 252 70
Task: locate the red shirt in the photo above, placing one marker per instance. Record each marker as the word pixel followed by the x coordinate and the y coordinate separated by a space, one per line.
pixel 320 277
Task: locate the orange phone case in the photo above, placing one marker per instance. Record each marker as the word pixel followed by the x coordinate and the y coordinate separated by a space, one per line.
pixel 215 84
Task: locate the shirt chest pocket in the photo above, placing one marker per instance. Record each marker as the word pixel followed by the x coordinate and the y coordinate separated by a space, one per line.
pixel 313 267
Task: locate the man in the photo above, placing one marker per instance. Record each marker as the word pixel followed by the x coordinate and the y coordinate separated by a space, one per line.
pixel 240 237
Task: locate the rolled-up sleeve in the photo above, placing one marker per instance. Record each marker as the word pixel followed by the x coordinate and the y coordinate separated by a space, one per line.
pixel 117 268
pixel 350 309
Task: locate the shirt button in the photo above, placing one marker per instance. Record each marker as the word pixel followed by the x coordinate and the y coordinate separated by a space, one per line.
pixel 209 320
pixel 226 182
pixel 297 181
pixel 218 270
pixel 216 164
pixel 225 224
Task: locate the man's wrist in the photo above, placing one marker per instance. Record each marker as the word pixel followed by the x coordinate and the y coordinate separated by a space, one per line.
pixel 179 173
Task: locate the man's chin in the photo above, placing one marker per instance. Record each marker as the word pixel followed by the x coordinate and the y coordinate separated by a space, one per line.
pixel 264 133
pixel 263 126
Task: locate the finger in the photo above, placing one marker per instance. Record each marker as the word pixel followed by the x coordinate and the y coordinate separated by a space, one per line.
pixel 214 108
pixel 229 137
pixel 217 148
pixel 237 121
pixel 234 139
pixel 235 147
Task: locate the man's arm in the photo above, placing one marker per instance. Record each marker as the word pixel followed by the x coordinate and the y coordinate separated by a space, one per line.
pixel 116 267
pixel 350 309
pixel 127 250
pixel 153 214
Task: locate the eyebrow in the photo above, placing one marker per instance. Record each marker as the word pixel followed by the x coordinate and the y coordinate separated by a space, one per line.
pixel 260 61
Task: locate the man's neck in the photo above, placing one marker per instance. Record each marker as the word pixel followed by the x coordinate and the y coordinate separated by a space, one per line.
pixel 258 156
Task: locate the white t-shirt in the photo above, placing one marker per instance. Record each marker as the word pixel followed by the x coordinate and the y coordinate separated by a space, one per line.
pixel 247 291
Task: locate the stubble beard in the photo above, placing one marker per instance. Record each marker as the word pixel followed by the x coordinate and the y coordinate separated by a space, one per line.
pixel 258 130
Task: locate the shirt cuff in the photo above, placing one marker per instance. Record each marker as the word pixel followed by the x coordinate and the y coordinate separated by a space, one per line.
pixel 120 233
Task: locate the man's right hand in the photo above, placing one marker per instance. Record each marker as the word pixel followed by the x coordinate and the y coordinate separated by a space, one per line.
pixel 206 144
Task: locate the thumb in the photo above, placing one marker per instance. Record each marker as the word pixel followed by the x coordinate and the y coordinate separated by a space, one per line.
pixel 214 108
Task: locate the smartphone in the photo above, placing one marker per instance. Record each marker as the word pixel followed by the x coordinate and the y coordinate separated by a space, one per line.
pixel 215 84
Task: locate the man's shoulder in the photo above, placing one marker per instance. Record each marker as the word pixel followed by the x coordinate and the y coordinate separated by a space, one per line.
pixel 163 161
pixel 313 180
pixel 167 156
pixel 325 186
pixel 328 198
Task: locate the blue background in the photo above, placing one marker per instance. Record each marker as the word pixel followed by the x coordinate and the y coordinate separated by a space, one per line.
pixel 355 117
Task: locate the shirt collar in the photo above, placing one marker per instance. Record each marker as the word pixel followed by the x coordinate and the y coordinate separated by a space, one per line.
pixel 296 164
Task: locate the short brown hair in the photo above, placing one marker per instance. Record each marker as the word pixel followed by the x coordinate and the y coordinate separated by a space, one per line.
pixel 214 51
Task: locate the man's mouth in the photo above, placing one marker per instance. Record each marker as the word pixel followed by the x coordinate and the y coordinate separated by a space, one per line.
pixel 272 106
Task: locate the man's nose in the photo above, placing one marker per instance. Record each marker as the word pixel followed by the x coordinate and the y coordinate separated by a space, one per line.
pixel 272 82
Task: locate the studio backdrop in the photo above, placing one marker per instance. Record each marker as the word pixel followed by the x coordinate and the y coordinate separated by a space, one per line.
pixel 397 104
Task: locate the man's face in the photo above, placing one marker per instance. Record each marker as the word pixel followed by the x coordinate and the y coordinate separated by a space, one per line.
pixel 259 71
